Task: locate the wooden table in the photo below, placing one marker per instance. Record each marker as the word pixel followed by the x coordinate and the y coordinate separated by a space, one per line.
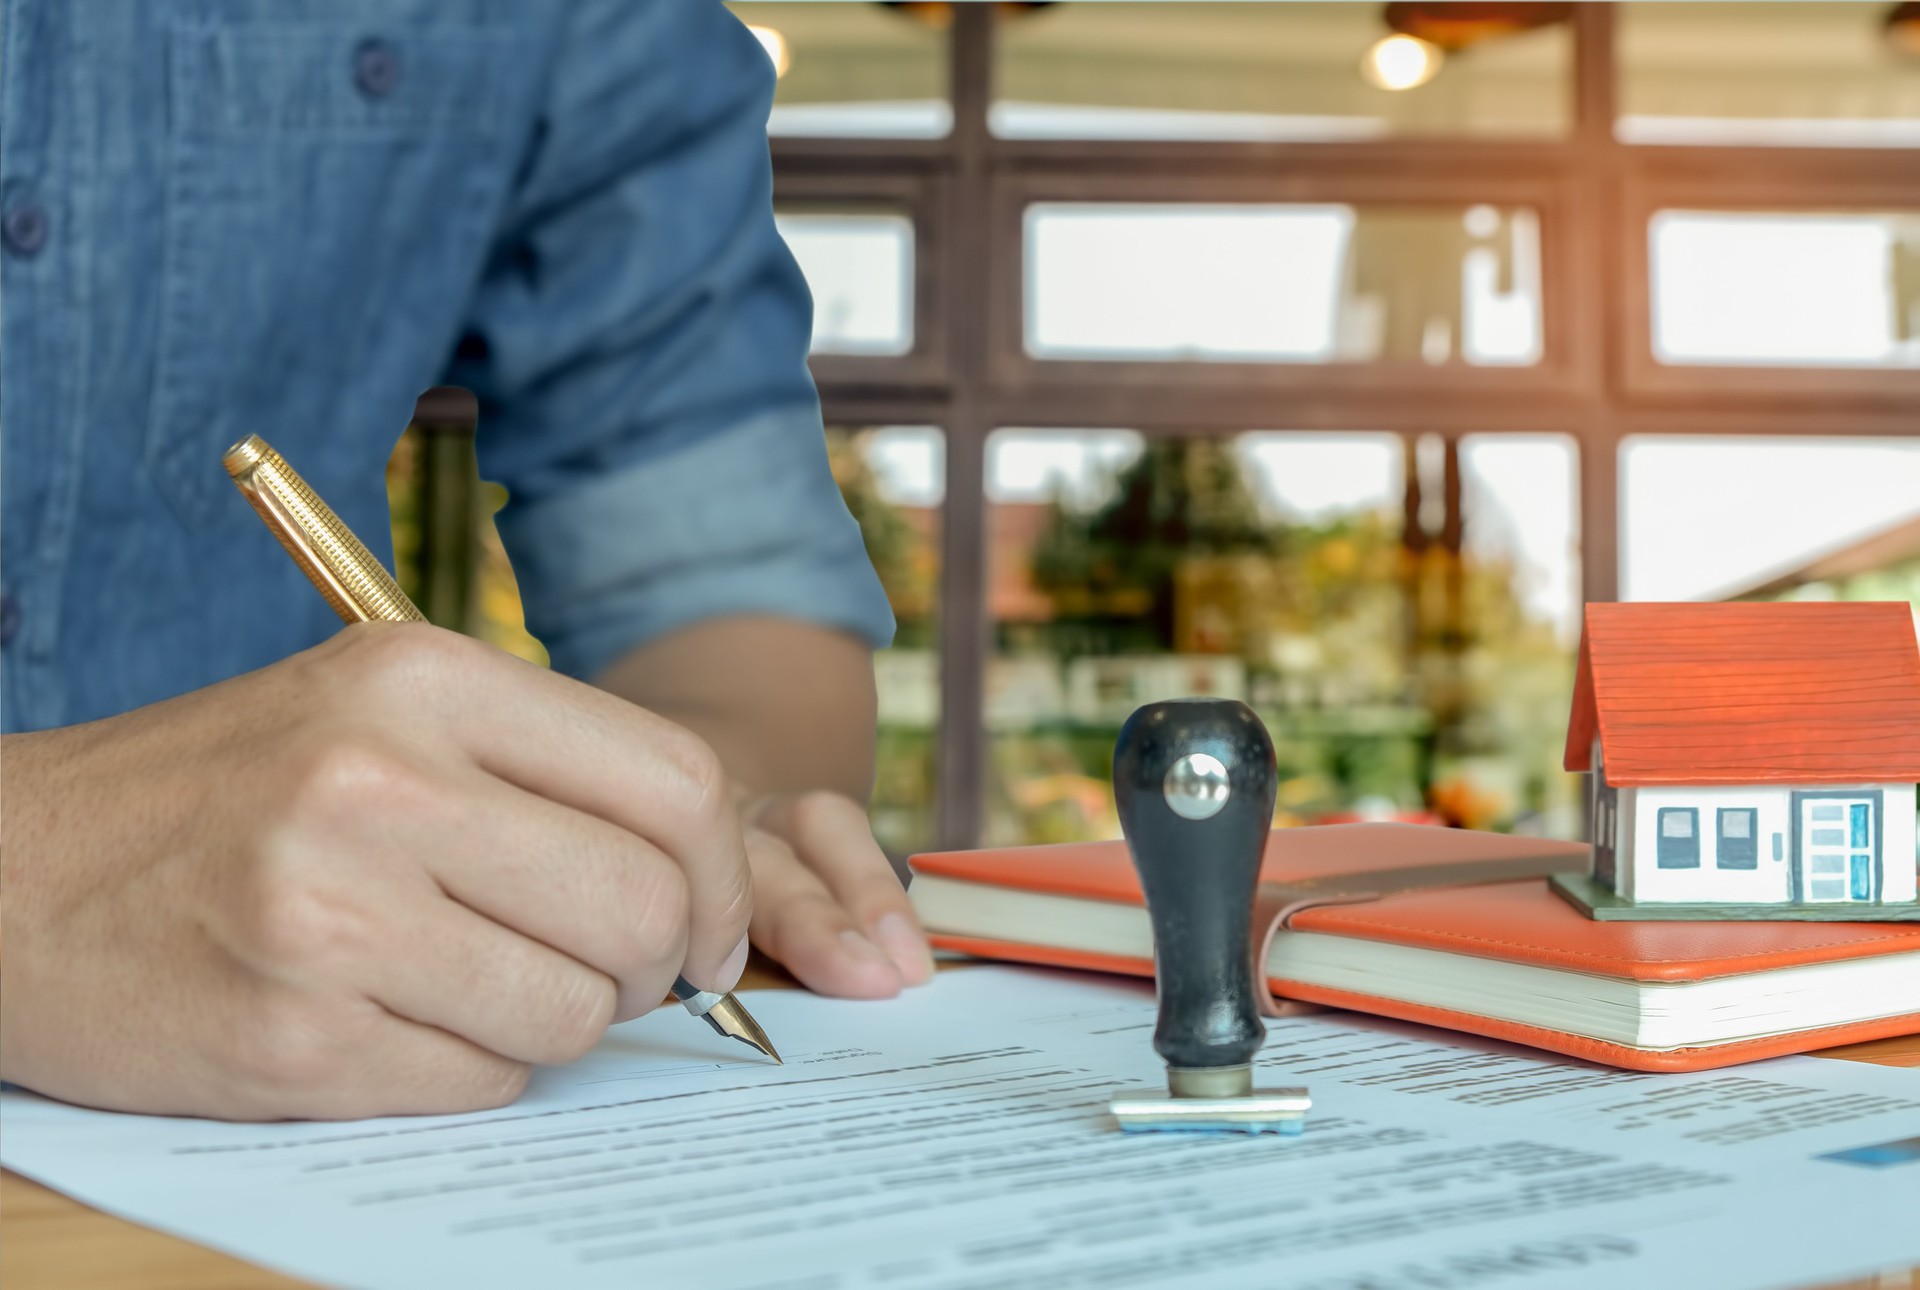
pixel 48 1242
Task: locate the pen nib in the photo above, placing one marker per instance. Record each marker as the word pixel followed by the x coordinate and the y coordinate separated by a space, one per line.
pixel 729 1018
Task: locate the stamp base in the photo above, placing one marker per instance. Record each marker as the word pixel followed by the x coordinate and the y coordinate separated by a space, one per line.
pixel 1272 1110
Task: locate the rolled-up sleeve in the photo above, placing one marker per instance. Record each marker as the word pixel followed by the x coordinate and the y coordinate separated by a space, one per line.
pixel 638 347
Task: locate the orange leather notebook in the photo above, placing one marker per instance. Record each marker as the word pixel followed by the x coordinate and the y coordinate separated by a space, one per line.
pixel 1352 920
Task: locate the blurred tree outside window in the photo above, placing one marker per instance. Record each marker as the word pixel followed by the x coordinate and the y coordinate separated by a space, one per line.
pixel 1519 630
pixel 433 491
pixel 893 480
pixel 1402 674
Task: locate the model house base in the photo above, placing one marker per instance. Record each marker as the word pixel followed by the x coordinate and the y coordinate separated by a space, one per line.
pixel 1598 901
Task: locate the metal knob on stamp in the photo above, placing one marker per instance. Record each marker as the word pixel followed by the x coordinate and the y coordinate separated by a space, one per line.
pixel 1194 782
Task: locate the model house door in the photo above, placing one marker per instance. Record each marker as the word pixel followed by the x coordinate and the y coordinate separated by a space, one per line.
pixel 1838 849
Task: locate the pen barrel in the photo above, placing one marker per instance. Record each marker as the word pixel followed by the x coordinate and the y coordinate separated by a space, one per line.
pixel 337 563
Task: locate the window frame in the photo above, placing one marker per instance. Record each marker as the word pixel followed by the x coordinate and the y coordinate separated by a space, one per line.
pixel 1118 381
pixel 1833 184
pixel 915 193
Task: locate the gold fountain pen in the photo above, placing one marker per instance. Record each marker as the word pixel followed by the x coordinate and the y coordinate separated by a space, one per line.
pixel 360 589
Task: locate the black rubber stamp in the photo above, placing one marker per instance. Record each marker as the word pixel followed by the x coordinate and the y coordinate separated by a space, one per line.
pixel 1194 782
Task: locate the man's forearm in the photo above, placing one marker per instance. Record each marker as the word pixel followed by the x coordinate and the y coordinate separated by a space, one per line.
pixel 789 706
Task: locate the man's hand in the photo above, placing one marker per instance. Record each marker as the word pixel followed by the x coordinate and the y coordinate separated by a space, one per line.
pixel 384 876
pixel 790 707
pixel 826 901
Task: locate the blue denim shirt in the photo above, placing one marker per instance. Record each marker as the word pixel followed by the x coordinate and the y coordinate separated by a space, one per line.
pixel 229 216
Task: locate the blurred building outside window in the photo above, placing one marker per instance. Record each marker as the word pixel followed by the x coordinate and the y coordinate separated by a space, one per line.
pixel 1725 518
pixel 1883 565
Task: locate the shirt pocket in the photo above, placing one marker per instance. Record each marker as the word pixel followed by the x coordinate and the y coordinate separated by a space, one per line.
pixel 330 190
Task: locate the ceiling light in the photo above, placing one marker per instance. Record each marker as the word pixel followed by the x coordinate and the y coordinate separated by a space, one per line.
pixel 1903 28
pixel 776 46
pixel 938 14
pixel 1400 62
pixel 1455 25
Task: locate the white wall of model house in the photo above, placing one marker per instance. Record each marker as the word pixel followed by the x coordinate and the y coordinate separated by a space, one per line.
pixel 1771 879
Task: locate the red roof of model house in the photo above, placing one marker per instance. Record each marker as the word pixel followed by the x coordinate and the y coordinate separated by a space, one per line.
pixel 1805 692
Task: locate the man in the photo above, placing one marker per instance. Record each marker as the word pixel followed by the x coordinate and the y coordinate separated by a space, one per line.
pixel 256 866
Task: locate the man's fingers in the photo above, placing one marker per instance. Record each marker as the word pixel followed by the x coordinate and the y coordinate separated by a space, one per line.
pixel 589 889
pixel 602 755
pixel 798 921
pixel 491 986
pixel 831 836
pixel 341 1058
pixel 589 750
pixel 420 1070
pixel 412 1069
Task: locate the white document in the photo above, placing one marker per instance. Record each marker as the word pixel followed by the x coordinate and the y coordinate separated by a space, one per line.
pixel 957 1137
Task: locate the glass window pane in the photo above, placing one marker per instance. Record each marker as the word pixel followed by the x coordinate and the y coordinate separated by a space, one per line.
pixel 1782 518
pixel 1504 689
pixel 860 70
pixel 1257 71
pixel 1122 571
pixel 1786 289
pixel 859 266
pixel 1273 567
pixel 1283 283
pixel 1803 74
pixel 894 482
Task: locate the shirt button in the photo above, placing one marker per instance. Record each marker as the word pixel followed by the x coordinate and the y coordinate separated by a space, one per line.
pixel 24 229
pixel 9 619
pixel 375 68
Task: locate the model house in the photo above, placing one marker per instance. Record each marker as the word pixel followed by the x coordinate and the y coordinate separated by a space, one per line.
pixel 1750 755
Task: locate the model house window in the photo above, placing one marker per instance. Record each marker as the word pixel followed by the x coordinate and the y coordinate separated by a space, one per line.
pixel 1739 839
pixel 1679 838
